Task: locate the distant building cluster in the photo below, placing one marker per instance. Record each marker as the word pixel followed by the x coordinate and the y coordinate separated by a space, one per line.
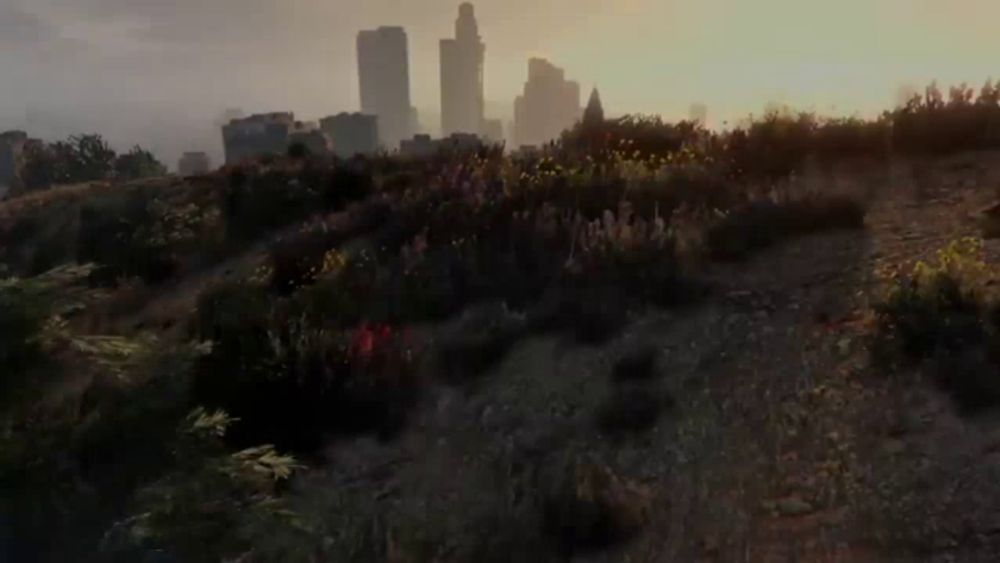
pixel 351 133
pixel 423 146
pixel 550 105
pixel 388 121
pixel 13 145
pixel 257 135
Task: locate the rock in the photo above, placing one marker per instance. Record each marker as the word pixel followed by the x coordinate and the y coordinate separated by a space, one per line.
pixel 793 506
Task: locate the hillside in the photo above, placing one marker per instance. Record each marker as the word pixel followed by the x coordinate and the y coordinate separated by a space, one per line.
pixel 488 359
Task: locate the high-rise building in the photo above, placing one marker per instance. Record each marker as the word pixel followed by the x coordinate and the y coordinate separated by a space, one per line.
pixel 310 138
pixel 257 135
pixel 593 116
pixel 352 133
pixel 492 131
pixel 550 104
pixel 384 77
pixel 698 113
pixel 462 104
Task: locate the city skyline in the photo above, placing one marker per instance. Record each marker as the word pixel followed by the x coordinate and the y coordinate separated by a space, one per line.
pixel 159 74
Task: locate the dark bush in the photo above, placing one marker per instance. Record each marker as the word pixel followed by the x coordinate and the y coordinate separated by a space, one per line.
pixel 294 385
pixel 348 183
pixel 929 125
pixel 637 365
pixel 126 238
pixel 924 319
pixel 22 314
pixel 138 163
pixel 971 376
pixel 761 225
pixel 298 151
pixel 591 509
pixel 345 300
pixel 299 260
pixel 630 410
pixel 82 158
pixel 643 135
pixel 937 318
pixel 259 203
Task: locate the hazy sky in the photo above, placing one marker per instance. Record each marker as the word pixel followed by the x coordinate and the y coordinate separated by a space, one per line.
pixel 167 68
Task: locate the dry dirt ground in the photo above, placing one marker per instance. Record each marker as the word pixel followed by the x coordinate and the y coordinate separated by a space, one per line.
pixel 777 441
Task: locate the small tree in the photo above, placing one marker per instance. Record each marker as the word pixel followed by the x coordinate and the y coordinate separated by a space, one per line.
pixel 83 158
pixel 39 171
pixel 91 158
pixel 138 163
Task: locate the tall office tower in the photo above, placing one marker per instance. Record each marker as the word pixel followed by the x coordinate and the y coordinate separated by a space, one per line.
pixel 698 113
pixel 550 104
pixel 593 115
pixel 462 106
pixel 384 77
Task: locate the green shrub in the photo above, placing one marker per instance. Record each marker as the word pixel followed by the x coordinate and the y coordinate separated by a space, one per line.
pixel 213 505
pixel 68 463
pixel 294 384
pixel 929 125
pixel 144 233
pixel 257 202
pixel 301 259
pixel 944 314
pixel 138 163
pixel 21 318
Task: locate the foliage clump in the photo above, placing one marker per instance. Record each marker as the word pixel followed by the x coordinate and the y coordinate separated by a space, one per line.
pixel 293 383
pixel 946 314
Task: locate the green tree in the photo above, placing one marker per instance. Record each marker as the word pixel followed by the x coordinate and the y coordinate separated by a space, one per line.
pixel 81 158
pixel 138 163
pixel 90 158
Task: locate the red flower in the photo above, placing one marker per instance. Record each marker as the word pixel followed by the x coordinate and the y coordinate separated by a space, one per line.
pixel 363 342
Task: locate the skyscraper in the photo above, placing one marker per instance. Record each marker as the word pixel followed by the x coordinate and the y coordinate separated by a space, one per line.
pixel 593 116
pixel 550 104
pixel 384 77
pixel 351 133
pixel 462 106
pixel 698 113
